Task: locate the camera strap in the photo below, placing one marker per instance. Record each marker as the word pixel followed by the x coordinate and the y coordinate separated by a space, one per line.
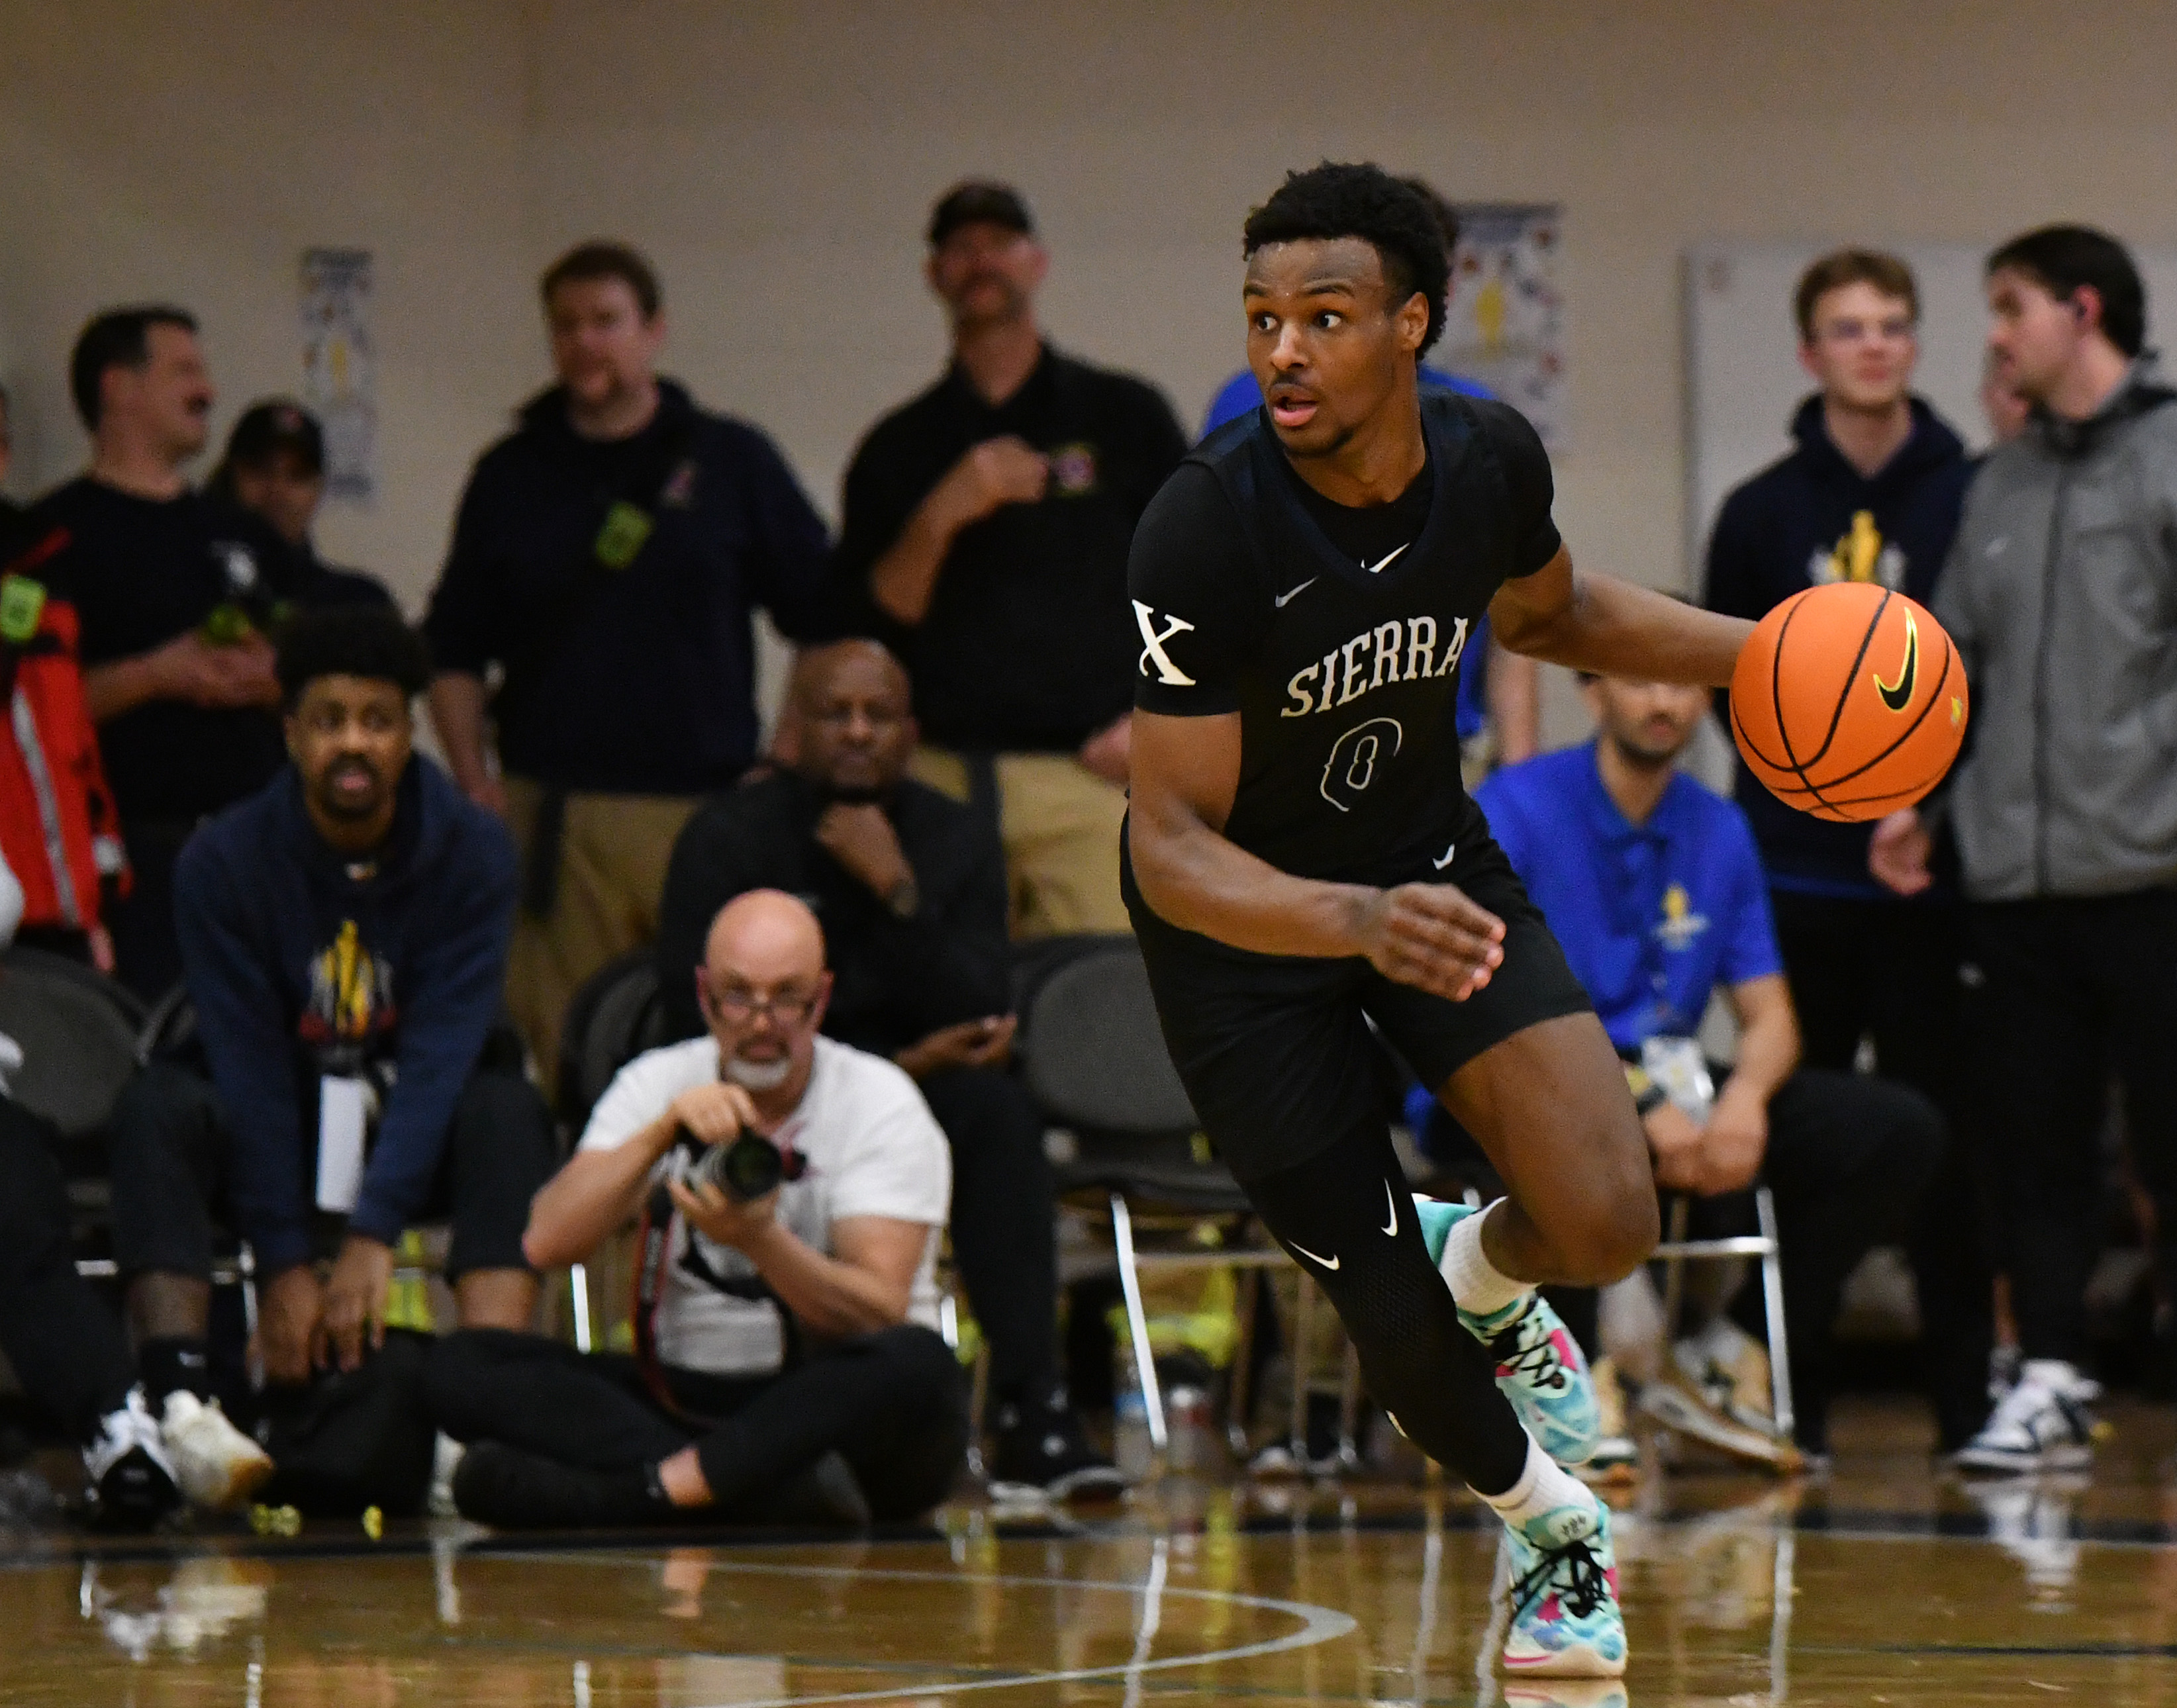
pixel 653 1249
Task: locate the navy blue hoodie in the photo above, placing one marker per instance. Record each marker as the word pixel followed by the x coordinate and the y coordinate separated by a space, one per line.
pixel 1811 517
pixel 300 965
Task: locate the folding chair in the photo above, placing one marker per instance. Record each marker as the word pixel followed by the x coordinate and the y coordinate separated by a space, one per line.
pixel 1095 1062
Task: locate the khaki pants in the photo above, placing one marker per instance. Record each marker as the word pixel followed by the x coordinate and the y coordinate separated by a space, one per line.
pixel 1059 823
pixel 612 857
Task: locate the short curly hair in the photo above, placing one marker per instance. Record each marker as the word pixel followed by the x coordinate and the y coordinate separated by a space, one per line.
pixel 1337 199
pixel 369 640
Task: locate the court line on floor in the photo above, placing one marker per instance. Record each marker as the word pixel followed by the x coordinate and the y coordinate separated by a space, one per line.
pixel 1319 1625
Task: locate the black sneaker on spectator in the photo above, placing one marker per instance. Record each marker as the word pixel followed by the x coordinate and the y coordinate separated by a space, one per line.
pixel 2042 1424
pixel 510 1489
pixel 1043 1448
pixel 132 1481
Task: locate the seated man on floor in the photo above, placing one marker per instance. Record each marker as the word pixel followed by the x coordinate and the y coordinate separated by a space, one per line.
pixel 910 889
pixel 788 1366
pixel 344 935
pixel 1652 885
pixel 67 1350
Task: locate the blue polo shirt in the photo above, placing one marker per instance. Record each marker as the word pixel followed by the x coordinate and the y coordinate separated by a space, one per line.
pixel 1652 917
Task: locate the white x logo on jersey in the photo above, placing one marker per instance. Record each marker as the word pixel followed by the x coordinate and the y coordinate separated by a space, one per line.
pixel 1168 672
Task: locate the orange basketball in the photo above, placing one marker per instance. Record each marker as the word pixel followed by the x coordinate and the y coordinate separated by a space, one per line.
pixel 1849 701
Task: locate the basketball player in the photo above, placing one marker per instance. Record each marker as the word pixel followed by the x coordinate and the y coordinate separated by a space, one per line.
pixel 1300 859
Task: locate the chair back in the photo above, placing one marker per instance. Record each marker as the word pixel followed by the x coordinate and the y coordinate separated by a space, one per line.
pixel 617 1014
pixel 78 1031
pixel 1095 1062
pixel 1090 1041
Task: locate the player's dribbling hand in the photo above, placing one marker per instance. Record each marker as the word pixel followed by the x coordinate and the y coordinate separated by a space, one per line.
pixel 1433 937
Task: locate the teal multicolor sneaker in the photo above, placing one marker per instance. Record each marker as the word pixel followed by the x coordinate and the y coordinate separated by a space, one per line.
pixel 1539 1367
pixel 1559 1576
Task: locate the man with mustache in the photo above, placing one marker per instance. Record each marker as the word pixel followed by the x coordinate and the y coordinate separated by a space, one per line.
pixel 174 590
pixel 984 536
pixel 344 932
pixel 787 1365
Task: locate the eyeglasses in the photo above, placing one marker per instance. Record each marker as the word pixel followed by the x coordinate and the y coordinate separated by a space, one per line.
pixel 739 1004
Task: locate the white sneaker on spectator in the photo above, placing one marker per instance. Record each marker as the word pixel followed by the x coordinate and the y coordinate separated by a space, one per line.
pixel 2042 1424
pixel 216 1465
pixel 132 1481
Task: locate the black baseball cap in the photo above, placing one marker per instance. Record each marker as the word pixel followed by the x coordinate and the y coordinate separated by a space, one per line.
pixel 275 427
pixel 980 201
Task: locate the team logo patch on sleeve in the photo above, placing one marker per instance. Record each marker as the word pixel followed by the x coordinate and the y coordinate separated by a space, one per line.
pixel 1152 652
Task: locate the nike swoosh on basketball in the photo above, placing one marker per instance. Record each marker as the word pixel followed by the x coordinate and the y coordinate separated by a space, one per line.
pixel 1392 1198
pixel 1897 695
pixel 1330 1263
pixel 1380 562
pixel 1446 860
pixel 1284 599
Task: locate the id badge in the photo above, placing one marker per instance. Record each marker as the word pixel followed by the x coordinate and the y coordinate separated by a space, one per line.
pixel 627 527
pixel 342 1120
pixel 1678 1065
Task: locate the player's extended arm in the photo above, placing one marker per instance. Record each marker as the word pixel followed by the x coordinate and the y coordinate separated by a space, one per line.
pixel 1186 773
pixel 1612 628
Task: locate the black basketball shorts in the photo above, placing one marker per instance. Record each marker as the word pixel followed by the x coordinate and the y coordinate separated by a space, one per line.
pixel 1275 1049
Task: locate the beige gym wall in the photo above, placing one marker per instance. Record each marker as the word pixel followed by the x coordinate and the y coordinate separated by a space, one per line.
pixel 190 152
pixel 778 160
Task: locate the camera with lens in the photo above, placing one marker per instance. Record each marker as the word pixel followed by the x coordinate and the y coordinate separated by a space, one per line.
pixel 746 1167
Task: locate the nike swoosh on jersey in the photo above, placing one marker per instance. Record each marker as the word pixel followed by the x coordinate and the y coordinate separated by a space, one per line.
pixel 1286 598
pixel 1897 695
pixel 1392 1199
pixel 1446 860
pixel 1379 564
pixel 1330 1263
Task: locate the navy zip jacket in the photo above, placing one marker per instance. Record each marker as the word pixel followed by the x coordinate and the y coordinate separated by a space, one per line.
pixel 614 580
pixel 1812 517
pixel 300 965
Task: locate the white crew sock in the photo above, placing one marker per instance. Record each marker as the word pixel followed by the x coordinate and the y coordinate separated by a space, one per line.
pixel 1543 1486
pixel 1481 1288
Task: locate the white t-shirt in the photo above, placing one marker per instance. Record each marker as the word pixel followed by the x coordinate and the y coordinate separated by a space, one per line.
pixel 873 1149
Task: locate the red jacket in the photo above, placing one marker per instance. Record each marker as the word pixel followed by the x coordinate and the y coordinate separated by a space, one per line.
pixel 58 826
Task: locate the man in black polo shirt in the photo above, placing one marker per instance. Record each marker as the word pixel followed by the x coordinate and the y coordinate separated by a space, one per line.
pixel 910 890
pixel 607 557
pixel 174 590
pixel 986 526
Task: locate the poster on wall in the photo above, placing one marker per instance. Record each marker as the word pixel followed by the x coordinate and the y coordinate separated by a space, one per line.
pixel 339 369
pixel 1505 328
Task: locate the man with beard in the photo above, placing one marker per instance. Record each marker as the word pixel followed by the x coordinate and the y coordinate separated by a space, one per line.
pixel 343 932
pixel 983 535
pixel 910 890
pixel 174 592
pixel 788 1366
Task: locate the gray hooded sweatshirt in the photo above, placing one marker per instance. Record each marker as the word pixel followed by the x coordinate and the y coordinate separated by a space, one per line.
pixel 2061 593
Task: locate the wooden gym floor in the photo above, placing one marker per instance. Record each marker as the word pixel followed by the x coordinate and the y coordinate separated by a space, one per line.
pixel 1884 1583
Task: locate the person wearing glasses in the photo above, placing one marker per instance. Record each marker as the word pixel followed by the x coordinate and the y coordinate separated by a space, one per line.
pixel 788 1366
pixel 910 888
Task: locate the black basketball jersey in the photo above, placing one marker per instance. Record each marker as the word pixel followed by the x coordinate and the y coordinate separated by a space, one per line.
pixel 1337 633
